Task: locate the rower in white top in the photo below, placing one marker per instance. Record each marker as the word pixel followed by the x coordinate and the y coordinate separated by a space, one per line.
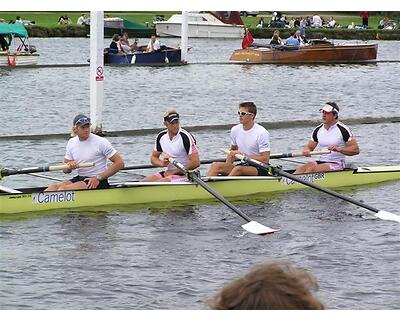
pixel 333 135
pixel 88 147
pixel 177 143
pixel 247 138
pixel 153 44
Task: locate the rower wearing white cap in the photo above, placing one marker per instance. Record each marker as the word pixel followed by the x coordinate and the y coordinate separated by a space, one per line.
pixel 333 135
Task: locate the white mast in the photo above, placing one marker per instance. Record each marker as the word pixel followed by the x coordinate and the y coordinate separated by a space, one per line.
pixel 184 37
pixel 96 69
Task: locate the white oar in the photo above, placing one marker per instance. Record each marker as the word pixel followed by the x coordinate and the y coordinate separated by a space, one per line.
pixel 381 214
pixel 8 172
pixel 250 226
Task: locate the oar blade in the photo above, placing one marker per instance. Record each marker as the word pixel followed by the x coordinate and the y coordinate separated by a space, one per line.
pixel 258 228
pixel 385 215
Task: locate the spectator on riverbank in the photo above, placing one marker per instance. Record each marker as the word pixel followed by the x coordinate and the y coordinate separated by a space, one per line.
pixel 331 23
pixel 270 286
pixel 364 16
pixel 316 21
pixel 81 20
pixel 261 24
pixel 64 20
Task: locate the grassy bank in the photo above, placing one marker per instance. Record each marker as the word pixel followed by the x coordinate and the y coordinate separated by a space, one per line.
pixel 46 24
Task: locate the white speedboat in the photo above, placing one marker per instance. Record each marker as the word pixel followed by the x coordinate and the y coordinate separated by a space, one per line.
pixel 220 24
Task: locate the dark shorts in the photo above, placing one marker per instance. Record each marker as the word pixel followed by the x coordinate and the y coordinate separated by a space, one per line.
pixel 260 172
pixel 102 185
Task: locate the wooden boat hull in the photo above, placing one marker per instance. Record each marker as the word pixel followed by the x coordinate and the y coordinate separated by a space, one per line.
pixel 307 54
pixel 143 194
pixel 168 56
pixel 20 58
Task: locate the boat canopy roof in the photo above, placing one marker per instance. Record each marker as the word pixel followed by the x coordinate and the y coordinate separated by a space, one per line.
pixel 17 29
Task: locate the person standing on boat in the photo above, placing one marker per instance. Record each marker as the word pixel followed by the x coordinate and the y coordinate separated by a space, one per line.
pixel 153 44
pixel 88 147
pixel 248 138
pixel 177 143
pixel 333 135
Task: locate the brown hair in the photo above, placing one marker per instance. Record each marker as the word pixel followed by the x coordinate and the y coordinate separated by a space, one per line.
pixel 250 106
pixel 273 286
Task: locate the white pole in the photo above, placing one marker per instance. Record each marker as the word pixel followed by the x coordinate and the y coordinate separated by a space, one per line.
pixel 184 37
pixel 96 69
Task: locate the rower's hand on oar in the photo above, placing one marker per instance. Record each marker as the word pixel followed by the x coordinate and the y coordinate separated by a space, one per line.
pixel 335 148
pixel 92 183
pixel 231 157
pixel 307 152
pixel 165 159
pixel 72 165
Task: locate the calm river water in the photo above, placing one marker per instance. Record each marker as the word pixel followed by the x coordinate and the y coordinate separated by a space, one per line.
pixel 178 257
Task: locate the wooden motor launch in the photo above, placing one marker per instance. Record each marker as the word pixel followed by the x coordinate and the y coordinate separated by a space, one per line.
pixel 318 51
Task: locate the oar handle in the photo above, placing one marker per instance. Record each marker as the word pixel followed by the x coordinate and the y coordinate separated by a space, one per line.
pixel 65 166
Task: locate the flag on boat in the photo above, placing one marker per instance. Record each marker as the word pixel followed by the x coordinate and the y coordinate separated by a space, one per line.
pixel 11 60
pixel 247 40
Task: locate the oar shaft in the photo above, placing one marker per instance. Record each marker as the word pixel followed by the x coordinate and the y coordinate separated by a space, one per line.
pixel 45 168
pixel 210 190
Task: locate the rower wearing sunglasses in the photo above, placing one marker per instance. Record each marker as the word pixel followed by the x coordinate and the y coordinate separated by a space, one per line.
pixel 248 138
pixel 88 147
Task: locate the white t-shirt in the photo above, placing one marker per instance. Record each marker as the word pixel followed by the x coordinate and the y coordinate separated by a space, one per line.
pixel 336 135
pixel 153 46
pixel 180 147
pixel 94 149
pixel 250 142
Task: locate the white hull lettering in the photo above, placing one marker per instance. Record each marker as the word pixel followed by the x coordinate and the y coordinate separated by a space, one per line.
pixel 305 177
pixel 53 197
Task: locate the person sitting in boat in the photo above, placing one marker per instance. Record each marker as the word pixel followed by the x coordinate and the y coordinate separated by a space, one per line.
pixel 125 45
pixel 299 38
pixel 88 147
pixel 276 39
pixel 3 43
pixel 334 136
pixel 292 41
pixel 249 138
pixel 177 143
pixel 115 45
pixel 153 45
